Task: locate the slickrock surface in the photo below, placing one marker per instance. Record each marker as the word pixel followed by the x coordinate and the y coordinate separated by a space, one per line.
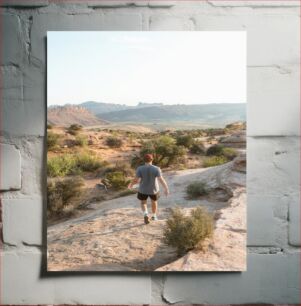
pixel 114 237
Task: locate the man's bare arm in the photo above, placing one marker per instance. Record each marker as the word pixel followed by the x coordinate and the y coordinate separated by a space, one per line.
pixel 164 184
pixel 134 182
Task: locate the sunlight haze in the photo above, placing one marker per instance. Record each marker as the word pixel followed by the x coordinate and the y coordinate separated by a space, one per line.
pixel 150 67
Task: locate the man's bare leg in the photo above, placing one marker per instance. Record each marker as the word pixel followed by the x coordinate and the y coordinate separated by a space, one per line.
pixel 144 206
pixel 154 210
pixel 145 212
pixel 154 207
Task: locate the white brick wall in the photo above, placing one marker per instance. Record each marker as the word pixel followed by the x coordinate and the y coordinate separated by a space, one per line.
pixel 10 171
pixel 273 274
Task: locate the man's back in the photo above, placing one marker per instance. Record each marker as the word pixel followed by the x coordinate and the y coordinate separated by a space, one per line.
pixel 148 174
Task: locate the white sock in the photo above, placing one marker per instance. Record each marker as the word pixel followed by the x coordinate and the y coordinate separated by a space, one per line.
pixel 145 213
pixel 154 215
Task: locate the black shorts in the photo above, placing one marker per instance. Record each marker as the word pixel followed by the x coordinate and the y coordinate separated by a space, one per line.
pixel 143 197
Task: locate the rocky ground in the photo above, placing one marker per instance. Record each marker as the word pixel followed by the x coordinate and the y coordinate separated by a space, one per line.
pixel 113 237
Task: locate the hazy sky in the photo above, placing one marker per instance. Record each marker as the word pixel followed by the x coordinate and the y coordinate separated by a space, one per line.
pixel 131 67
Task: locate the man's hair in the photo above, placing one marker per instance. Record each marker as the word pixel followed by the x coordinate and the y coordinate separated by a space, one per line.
pixel 148 158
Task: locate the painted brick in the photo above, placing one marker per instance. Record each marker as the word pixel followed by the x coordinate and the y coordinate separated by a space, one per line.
pixel 246 3
pixel 157 282
pixel 23 96
pixel 22 221
pixel 89 22
pixel 273 166
pixel 122 22
pixel 294 220
pixel 115 4
pixel 12 45
pixel 276 92
pixel 264 228
pixel 22 284
pixel 154 3
pixel 11 85
pixel 265 281
pixel 10 170
pixel 170 23
pixel 268 35
pixel 24 3
pixel 33 166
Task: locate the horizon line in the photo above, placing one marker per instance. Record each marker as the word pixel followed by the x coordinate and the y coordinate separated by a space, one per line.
pixel 139 103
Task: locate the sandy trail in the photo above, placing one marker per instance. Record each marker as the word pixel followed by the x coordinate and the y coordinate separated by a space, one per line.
pixel 114 237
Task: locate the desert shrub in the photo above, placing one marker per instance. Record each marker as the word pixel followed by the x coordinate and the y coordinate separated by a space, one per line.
pixel 185 141
pixel 215 161
pixel 81 140
pixel 187 232
pixel 221 151
pixel 74 129
pixel 164 149
pixel 229 153
pixel 114 142
pixel 197 189
pixel 116 180
pixel 49 126
pixel 63 193
pixel 121 167
pixel 71 164
pixel 197 148
pixel 62 165
pixel 215 150
pixel 52 140
pixel 88 162
pixel 215 132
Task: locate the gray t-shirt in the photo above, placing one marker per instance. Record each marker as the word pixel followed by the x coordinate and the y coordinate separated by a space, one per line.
pixel 148 183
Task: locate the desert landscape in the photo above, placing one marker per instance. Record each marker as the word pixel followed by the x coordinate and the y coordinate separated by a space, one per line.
pixel 95 222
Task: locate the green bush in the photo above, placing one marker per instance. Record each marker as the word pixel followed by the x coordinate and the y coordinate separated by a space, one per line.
pixel 215 132
pixel 116 180
pixel 198 148
pixel 221 154
pixel 74 129
pixel 121 167
pixel 62 165
pixel 229 153
pixel 185 141
pixel 197 189
pixel 215 161
pixel 63 193
pixel 81 140
pixel 52 140
pixel 71 164
pixel 187 232
pixel 87 162
pixel 114 142
pixel 215 150
pixel 164 149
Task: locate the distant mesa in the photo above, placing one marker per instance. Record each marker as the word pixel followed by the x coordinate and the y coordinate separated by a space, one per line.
pixel 142 104
pixel 207 114
pixel 71 114
pixel 97 113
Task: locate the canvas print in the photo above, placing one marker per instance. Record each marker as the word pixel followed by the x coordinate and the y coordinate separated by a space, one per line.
pixel 146 151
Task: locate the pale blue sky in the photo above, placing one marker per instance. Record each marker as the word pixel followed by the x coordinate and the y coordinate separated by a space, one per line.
pixel 131 67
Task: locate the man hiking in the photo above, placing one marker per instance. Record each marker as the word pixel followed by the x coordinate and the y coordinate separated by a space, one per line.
pixel 148 176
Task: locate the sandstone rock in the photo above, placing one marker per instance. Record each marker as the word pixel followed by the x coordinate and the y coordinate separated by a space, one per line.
pixel 114 237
